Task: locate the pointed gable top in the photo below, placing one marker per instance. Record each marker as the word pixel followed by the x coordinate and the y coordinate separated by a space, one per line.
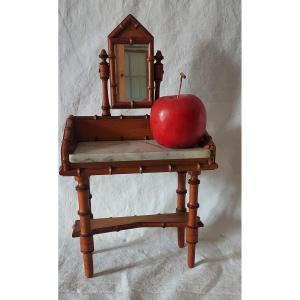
pixel 130 26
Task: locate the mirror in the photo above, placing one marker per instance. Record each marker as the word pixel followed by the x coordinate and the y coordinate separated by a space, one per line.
pixel 131 65
pixel 131 72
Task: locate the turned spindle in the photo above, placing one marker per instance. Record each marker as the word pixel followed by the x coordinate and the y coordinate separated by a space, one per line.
pixel 90 200
pixel 181 192
pixel 104 75
pixel 192 226
pixel 158 72
pixel 84 212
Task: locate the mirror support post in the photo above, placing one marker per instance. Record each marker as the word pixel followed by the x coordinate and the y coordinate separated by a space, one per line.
pixel 158 72
pixel 104 76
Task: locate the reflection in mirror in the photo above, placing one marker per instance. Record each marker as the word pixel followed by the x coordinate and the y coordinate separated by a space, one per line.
pixel 131 71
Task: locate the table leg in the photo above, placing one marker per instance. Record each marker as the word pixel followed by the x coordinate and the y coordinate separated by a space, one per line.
pixel 181 192
pixel 90 200
pixel 192 228
pixel 84 212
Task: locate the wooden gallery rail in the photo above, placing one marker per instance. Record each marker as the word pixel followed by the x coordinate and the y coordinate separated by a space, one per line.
pixel 84 130
pixel 110 145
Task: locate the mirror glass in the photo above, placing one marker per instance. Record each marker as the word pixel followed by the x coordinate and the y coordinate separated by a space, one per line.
pixel 131 71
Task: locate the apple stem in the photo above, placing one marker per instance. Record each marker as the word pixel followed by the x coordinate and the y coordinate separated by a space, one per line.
pixel 182 75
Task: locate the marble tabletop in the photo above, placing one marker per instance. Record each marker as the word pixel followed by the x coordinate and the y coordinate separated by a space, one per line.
pixel 109 151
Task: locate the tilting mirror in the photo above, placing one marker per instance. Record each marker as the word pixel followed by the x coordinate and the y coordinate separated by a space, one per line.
pixel 131 72
pixel 131 65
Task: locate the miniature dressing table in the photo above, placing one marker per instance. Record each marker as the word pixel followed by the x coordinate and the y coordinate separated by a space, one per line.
pixel 111 145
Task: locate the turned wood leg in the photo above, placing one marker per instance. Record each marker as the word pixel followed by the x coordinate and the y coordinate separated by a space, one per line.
pixel 84 212
pixel 90 200
pixel 181 192
pixel 192 228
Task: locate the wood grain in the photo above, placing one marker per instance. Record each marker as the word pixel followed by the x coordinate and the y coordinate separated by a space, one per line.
pixel 86 238
pixel 158 72
pixel 115 128
pixel 112 128
pixel 131 31
pixel 181 192
pixel 104 76
pixel 192 228
pixel 104 225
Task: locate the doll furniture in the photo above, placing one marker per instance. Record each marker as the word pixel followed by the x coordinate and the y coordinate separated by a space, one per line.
pixel 111 145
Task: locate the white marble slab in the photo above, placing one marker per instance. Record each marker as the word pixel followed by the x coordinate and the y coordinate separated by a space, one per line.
pixel 131 150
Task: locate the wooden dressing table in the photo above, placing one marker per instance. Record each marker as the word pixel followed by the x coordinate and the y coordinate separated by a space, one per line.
pixel 110 145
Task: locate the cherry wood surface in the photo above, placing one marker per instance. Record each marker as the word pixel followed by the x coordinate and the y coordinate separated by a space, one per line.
pixel 88 128
pixel 181 192
pixel 84 212
pixel 192 226
pixel 158 72
pixel 131 31
pixel 104 225
pixel 114 128
pixel 96 128
pixel 104 76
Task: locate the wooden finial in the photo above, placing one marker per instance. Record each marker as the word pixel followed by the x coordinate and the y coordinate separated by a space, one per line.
pixel 103 55
pixel 104 76
pixel 158 72
pixel 158 56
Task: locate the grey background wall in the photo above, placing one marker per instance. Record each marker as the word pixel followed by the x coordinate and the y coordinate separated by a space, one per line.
pixel 202 39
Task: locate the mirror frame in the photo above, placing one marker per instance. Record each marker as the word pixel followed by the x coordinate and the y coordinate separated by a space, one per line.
pixel 131 31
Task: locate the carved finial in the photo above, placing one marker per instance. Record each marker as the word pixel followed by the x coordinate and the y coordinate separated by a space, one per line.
pixel 103 55
pixel 158 72
pixel 104 76
pixel 158 56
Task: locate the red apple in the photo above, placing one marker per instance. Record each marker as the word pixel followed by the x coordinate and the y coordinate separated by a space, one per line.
pixel 178 121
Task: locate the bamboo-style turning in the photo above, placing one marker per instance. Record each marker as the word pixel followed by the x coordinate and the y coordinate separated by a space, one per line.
pixel 86 129
pixel 181 192
pixel 158 72
pixel 130 31
pixel 104 76
pixel 80 129
pixel 84 212
pixel 192 228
